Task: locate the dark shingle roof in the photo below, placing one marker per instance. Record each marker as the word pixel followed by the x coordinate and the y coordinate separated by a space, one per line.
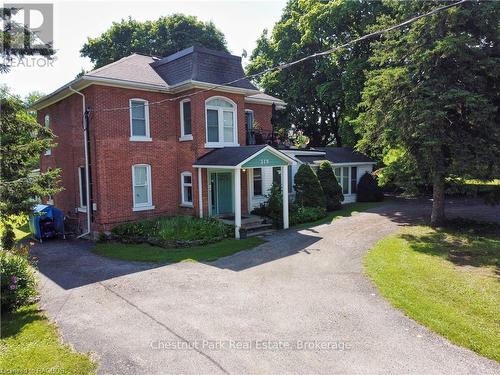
pixel 203 65
pixel 336 155
pixel 228 156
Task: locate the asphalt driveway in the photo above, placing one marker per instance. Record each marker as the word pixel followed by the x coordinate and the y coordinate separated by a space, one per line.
pixel 298 304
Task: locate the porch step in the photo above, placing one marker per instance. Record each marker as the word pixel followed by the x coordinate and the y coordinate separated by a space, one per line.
pixel 256 226
pixel 260 232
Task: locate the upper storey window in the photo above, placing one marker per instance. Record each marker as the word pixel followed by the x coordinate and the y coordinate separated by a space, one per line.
pixel 139 120
pixel 46 121
pixel 221 128
pixel 186 131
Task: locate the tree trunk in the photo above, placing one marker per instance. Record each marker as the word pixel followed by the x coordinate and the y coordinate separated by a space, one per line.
pixel 335 128
pixel 437 214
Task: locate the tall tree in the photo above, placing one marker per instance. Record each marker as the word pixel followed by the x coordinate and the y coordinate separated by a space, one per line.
pixel 322 94
pixel 23 140
pixel 162 37
pixel 433 93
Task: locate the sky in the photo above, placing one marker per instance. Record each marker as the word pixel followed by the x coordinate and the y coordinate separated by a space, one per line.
pixel 242 22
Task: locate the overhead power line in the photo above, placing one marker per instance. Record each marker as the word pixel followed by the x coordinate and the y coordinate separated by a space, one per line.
pixel 301 60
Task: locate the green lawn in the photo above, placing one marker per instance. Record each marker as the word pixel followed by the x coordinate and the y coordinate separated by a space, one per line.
pixel 148 253
pixel 346 210
pixel 30 344
pixel 447 280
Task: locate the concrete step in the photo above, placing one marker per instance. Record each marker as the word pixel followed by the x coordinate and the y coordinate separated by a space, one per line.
pixel 263 232
pixel 256 226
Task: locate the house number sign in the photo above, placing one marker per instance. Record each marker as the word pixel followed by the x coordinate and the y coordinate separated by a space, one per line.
pixel 264 161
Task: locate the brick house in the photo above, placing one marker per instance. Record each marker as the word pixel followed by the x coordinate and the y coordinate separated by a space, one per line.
pixel 166 136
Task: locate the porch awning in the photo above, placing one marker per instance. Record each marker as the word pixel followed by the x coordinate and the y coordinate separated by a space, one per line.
pixel 244 157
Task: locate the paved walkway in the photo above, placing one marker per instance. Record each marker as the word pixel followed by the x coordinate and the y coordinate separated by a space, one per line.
pixel 300 286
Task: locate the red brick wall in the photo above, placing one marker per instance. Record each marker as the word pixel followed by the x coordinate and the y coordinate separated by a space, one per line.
pixel 113 154
pixel 262 115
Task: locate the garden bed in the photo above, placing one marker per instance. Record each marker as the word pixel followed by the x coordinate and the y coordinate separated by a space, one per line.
pixel 172 232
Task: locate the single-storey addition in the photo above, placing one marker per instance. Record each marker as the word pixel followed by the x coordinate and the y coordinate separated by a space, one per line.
pixel 224 167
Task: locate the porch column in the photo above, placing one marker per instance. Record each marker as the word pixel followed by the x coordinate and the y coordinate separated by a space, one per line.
pixel 237 202
pixel 284 189
pixel 200 193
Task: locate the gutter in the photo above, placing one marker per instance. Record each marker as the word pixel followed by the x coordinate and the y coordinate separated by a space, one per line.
pixel 86 155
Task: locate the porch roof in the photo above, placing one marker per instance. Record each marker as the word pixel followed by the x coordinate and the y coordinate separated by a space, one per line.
pixel 232 157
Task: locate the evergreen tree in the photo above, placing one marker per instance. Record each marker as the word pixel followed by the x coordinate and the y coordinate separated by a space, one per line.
pixel 331 188
pixel 308 189
pixel 433 93
pixel 368 189
pixel 23 141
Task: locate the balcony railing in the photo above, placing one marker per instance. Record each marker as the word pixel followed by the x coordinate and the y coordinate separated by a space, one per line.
pixel 259 138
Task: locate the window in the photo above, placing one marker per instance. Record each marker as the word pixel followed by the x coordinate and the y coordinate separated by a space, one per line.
pixel 249 123
pixel 221 122
pixel 249 120
pixel 83 187
pixel 141 182
pixel 186 132
pixel 257 181
pixel 277 175
pixel 47 125
pixel 354 179
pixel 345 180
pixel 187 188
pixel 139 120
pixel 342 175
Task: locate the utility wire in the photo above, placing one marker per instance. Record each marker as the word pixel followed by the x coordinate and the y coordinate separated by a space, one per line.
pixel 301 60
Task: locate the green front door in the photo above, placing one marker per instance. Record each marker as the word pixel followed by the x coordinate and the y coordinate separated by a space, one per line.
pixel 222 193
pixel 225 193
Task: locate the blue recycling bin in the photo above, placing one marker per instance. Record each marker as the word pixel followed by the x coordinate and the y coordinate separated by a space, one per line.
pixel 46 221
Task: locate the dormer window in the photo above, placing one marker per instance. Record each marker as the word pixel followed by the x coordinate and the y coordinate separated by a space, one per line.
pixel 139 120
pixel 221 128
pixel 186 129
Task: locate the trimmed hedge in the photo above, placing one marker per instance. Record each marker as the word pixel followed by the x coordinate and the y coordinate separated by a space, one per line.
pixel 309 192
pixel 368 189
pixel 331 187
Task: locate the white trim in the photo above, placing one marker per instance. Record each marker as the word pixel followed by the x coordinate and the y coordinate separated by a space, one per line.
pixel 143 208
pixel 192 84
pixel 184 136
pixel 220 113
pixel 284 187
pixel 280 104
pixel 149 204
pixel 215 166
pixel 200 192
pixel 184 202
pixel 237 202
pixel 146 137
pixel 279 154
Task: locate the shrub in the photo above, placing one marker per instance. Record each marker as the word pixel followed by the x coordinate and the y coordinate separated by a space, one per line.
pixel 368 189
pixel 299 214
pixel 8 237
pixel 177 228
pixel 18 282
pixel 274 206
pixel 330 186
pixel 309 191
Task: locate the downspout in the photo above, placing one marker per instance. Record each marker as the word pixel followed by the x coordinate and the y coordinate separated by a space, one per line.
pixel 86 152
